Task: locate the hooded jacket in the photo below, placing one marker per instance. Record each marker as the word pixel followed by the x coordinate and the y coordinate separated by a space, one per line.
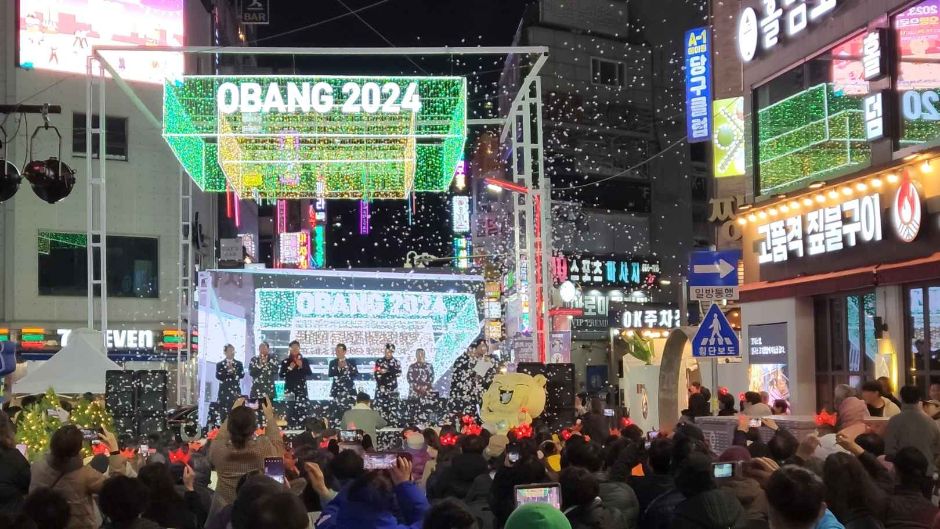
pixel 751 496
pixel 537 515
pixel 592 516
pixel 712 509
pixel 620 499
pixel 341 513
pixel 909 509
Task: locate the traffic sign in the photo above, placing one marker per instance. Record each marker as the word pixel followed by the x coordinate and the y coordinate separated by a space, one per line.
pixel 715 337
pixel 714 269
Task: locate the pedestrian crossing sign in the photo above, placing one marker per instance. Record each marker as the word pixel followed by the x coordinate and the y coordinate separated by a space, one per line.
pixel 715 337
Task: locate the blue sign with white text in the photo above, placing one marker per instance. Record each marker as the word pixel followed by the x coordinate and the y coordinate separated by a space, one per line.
pixel 698 93
pixel 715 337
pixel 714 269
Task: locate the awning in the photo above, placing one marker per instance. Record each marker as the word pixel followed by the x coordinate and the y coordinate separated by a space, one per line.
pixel 912 271
pixel 806 286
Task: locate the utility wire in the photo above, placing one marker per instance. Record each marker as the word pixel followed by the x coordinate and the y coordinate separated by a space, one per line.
pixel 320 23
pixel 379 33
pixel 625 171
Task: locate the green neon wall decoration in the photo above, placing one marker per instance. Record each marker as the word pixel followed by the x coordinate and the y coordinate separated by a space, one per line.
pixel 809 136
pixel 282 152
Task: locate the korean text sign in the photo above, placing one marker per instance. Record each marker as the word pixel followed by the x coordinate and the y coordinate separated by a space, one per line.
pixel 698 85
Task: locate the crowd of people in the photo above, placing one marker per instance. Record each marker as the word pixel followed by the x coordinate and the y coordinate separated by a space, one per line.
pixel 464 477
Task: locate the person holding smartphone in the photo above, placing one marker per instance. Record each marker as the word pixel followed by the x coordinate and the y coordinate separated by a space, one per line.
pixel 379 498
pixel 295 370
pixel 14 468
pixel 229 373
pixel 236 451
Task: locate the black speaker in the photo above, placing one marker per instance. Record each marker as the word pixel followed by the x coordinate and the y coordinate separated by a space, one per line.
pixel 125 425
pixel 559 388
pixel 149 425
pixel 120 396
pixel 151 392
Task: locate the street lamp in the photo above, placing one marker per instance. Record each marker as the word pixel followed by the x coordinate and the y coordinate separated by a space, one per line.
pixel 538 289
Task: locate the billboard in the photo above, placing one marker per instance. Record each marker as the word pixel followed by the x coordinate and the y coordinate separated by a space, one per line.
pixel 729 137
pixel 59 35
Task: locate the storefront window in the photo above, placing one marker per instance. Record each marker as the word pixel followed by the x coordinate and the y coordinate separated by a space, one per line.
pixel 809 121
pixel 845 343
pixel 923 335
pixel 917 29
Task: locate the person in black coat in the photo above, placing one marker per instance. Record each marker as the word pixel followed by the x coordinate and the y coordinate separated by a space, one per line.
pixel 580 499
pixel 229 373
pixel 455 479
pixel 344 373
pixel 14 468
pixel 387 369
pixel 595 424
pixel 295 370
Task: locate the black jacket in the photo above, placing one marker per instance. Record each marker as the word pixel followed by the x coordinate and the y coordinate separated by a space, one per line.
pixel 455 480
pixel 14 479
pixel 712 509
pixel 650 487
pixel 596 426
pixel 909 509
pixel 185 514
pixel 295 379
pixel 593 516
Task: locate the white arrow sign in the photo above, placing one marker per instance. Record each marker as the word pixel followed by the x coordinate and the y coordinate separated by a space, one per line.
pixel 722 268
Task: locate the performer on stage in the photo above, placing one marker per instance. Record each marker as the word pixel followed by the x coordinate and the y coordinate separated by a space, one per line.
pixel 387 370
pixel 421 400
pixel 420 375
pixel 229 373
pixel 295 370
pixel 344 373
pixel 471 375
pixel 263 371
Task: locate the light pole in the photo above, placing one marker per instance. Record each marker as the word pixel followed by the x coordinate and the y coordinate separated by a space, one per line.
pixel 538 239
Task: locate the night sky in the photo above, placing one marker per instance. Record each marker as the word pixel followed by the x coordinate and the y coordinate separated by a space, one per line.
pixel 401 23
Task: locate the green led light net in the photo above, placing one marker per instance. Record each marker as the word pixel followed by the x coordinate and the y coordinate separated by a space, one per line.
pixel 811 135
pixel 292 154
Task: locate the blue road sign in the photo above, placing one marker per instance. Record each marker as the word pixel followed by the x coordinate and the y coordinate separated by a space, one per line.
pixel 714 269
pixel 715 337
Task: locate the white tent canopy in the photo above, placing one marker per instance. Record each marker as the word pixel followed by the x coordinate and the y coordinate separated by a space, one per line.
pixel 77 368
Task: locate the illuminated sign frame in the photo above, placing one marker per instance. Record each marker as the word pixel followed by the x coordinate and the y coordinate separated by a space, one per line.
pixel 762 33
pixel 280 136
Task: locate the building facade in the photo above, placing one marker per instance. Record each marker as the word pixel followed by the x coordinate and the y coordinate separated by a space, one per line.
pixel 43 246
pixel 615 201
pixel 840 226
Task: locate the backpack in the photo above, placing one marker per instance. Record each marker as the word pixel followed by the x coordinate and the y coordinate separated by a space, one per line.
pixel 7 358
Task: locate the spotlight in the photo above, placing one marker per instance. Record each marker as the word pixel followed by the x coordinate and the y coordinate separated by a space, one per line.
pixel 820 198
pixel 875 182
pixel 892 178
pixel 794 204
pixel 833 194
pixel 742 221
pixel 772 211
pixel 51 179
pixel 847 191
pixel 807 202
pixel 861 187
pixel 9 181
pixel 926 167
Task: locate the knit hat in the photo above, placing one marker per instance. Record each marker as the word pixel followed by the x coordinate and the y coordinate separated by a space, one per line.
pixel 735 453
pixel 537 516
pixel 496 446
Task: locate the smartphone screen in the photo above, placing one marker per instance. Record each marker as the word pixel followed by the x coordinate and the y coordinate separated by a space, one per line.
pixel 755 423
pixel 88 434
pixel 652 434
pixel 512 456
pixel 350 436
pixel 144 450
pixel 379 460
pixel 252 403
pixel 722 470
pixel 549 493
pixel 22 448
pixel 274 468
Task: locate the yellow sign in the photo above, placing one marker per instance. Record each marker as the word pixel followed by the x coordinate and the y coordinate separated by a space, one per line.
pixel 728 141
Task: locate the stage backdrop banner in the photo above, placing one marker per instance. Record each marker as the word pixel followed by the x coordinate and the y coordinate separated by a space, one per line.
pixel 320 308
